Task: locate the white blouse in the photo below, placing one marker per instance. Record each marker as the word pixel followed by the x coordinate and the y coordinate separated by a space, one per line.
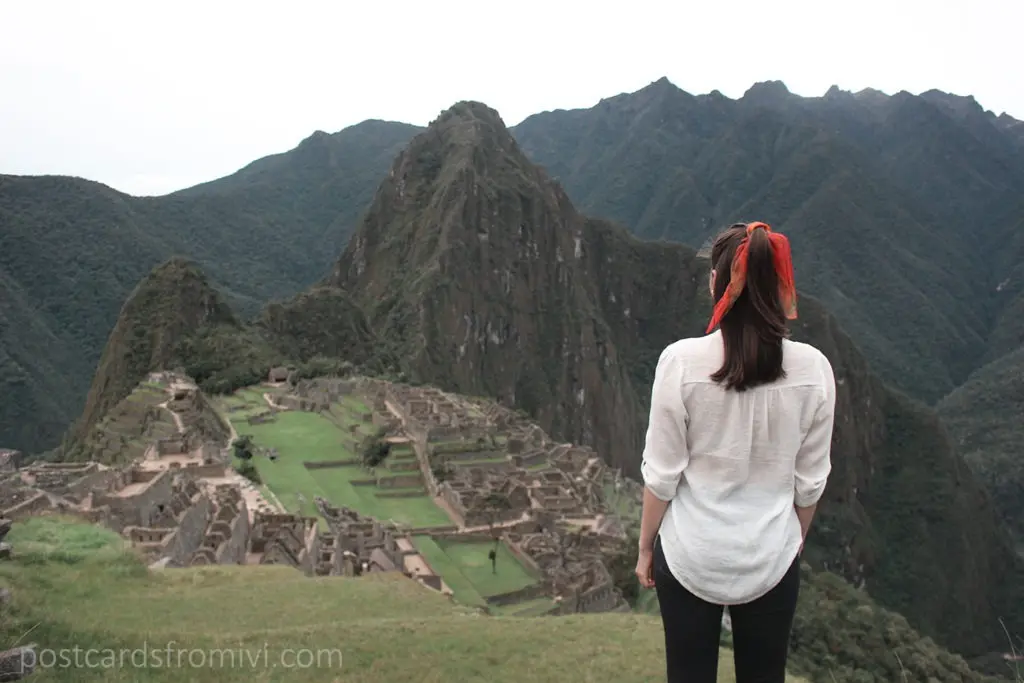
pixel 734 463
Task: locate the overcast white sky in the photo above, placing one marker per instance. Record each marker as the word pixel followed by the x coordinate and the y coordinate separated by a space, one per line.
pixel 150 96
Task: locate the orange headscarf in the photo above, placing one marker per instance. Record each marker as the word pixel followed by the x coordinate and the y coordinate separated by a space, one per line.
pixel 781 258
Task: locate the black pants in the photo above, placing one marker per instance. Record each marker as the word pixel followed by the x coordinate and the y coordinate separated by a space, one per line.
pixel 760 629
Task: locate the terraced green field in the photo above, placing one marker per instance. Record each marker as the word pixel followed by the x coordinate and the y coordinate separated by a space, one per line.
pixel 300 437
pixel 466 569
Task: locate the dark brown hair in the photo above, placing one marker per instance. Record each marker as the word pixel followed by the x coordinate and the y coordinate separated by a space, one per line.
pixel 755 325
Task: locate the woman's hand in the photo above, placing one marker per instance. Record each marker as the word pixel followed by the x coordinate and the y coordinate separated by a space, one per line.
pixel 645 568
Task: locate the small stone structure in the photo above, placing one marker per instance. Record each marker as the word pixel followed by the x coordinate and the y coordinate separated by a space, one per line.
pixel 10 459
pixel 278 375
pixel 287 539
pixel 225 538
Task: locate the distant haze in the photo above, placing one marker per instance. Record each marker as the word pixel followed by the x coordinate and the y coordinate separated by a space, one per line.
pixel 151 97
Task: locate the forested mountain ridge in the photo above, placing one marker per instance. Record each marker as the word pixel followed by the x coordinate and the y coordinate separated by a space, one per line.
pixel 919 193
pixel 71 251
pixel 894 203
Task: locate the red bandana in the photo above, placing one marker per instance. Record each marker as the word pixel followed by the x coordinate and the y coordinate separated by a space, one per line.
pixel 783 261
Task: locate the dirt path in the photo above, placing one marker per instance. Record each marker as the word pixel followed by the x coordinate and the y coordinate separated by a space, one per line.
pixel 270 402
pixel 500 525
pixel 177 418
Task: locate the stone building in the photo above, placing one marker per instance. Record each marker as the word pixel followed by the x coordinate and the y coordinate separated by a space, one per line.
pixel 10 459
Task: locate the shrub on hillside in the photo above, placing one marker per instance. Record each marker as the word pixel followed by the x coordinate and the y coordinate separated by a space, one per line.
pixel 375 449
pixel 840 634
pixel 243 447
pixel 323 367
pixel 249 471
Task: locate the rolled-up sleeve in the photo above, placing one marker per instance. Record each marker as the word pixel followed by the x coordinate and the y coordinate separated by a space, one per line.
pixel 665 452
pixel 813 460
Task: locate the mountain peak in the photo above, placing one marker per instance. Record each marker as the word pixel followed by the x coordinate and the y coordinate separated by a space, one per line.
pixel 470 111
pixel 767 93
pixel 661 85
pixel 172 301
pixel 959 105
pixel 459 135
pixel 470 258
pixel 836 92
pixel 452 184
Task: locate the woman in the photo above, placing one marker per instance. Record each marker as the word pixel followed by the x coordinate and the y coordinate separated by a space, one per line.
pixel 736 459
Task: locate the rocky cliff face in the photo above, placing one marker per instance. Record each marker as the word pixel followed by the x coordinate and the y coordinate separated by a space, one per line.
pixel 488 281
pixel 474 264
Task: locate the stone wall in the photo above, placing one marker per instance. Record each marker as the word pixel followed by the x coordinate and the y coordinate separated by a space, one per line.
pixel 10 459
pixel 495 466
pixel 308 405
pixel 234 548
pixel 417 438
pixel 170 446
pixel 530 460
pixel 431 530
pixel 213 471
pixel 27 508
pixel 325 464
pixel 521 555
pixel 225 539
pixel 140 508
pixel 482 537
pixel 99 479
pixel 211 454
pixel 454 457
pixel 286 539
pixel 401 494
pixel 531 592
pixel 146 536
pixel 400 481
pixel 189 534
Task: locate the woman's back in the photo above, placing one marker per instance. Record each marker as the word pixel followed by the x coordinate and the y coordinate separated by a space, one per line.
pixel 745 458
pixel 736 459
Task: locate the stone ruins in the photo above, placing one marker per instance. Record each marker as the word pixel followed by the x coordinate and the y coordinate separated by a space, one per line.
pixel 499 479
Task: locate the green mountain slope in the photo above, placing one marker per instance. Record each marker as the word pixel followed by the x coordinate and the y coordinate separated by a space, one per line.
pixel 71 251
pixel 891 200
pixel 984 416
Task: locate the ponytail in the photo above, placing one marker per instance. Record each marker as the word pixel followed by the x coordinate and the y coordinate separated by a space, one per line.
pixel 754 296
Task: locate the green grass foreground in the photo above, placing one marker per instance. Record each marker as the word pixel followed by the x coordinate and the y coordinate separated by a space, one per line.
pixel 74 585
